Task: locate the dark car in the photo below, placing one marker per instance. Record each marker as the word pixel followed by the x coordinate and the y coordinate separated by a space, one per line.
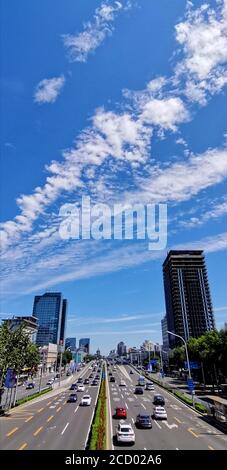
pixel 159 400
pixel 112 379
pixel 94 382
pixel 73 387
pixel 91 376
pixel 131 371
pixel 86 381
pixel 138 391
pixel 72 398
pixel 30 385
pixel 143 421
pixel 110 373
pixel 80 381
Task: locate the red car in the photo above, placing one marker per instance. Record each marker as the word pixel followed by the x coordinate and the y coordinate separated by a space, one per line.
pixel 121 413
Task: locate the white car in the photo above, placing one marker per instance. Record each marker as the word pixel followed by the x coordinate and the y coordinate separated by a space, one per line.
pixel 159 412
pixel 125 433
pixel 149 386
pixel 122 383
pixel 86 400
pixel 80 388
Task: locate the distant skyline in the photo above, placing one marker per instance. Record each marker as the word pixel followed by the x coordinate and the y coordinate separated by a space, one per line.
pixel 125 102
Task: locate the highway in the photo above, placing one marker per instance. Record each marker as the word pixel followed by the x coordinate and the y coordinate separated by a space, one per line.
pixel 50 422
pixel 183 430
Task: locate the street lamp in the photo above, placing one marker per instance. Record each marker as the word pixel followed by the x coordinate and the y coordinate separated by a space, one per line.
pixel 186 350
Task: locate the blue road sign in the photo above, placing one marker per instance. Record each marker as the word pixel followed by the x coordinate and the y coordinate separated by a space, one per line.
pixel 10 380
pixel 193 365
pixel 190 384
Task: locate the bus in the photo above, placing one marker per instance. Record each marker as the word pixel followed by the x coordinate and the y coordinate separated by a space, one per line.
pixel 218 409
pixel 141 381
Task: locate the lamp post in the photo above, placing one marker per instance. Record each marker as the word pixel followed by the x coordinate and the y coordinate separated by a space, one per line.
pixel 187 357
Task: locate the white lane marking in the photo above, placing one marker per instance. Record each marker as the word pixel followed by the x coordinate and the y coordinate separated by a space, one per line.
pixel 52 406
pixel 122 395
pixel 160 427
pixel 126 406
pixel 116 399
pixel 133 420
pixel 170 426
pixel 143 406
pixel 65 428
pixel 76 409
pixel 130 399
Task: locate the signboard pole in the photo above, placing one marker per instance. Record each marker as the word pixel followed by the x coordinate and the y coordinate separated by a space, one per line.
pixel 15 394
pixel 60 369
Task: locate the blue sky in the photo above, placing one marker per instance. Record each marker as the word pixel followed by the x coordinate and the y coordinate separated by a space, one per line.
pixel 124 101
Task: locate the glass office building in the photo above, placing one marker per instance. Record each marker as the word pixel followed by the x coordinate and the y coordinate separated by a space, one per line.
pixel 84 344
pixel 51 310
pixel 70 343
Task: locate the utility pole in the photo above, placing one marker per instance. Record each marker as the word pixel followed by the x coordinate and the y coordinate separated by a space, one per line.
pixel 60 369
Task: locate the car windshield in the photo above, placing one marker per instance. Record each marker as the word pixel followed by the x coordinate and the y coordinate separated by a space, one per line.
pixel 86 397
pixel 125 429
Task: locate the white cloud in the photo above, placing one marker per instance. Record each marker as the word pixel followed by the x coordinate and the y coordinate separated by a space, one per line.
pixel 165 113
pixel 203 38
pixel 48 89
pixel 80 45
pixel 182 180
pixel 218 210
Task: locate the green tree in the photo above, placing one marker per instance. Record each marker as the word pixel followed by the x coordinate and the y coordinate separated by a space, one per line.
pixel 16 350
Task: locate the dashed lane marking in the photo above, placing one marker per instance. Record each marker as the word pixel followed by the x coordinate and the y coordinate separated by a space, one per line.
pixel 211 448
pixel 143 406
pixel 12 432
pixel 157 424
pixel 50 418
pixel 192 432
pixel 178 420
pixel 38 431
pixel 39 411
pixel 23 446
pixel 64 428
pixel 59 408
pixel 29 419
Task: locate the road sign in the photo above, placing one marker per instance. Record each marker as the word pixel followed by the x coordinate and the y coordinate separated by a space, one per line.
pixel 190 384
pixel 193 365
pixel 10 380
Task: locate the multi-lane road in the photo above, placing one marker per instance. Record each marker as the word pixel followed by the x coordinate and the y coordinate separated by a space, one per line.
pixel 183 429
pixel 50 423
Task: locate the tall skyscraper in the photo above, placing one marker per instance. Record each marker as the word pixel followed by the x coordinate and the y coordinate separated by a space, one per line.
pixel 165 336
pixel 189 311
pixel 63 321
pixel 84 344
pixel 121 349
pixel 70 343
pixel 50 310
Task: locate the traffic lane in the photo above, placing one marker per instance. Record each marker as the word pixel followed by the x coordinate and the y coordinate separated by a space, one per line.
pixel 34 419
pixel 192 422
pixel 72 430
pixel 162 436
pixel 23 420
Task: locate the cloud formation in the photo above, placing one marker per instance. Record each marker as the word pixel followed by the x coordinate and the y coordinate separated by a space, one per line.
pixel 48 89
pixel 79 46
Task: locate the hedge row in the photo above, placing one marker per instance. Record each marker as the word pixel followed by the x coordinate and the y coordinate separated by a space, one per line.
pixel 97 439
pixel 31 397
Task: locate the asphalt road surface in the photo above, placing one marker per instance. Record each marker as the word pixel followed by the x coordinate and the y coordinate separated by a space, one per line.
pixel 184 429
pixel 50 423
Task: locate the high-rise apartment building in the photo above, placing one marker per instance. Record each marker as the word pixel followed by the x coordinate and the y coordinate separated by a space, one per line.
pixel 189 311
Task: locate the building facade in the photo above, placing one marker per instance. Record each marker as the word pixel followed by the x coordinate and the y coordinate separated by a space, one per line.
pixel 84 344
pixel 29 323
pixel 50 309
pixel 165 336
pixel 189 311
pixel 70 343
pixel 121 349
pixel 48 357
